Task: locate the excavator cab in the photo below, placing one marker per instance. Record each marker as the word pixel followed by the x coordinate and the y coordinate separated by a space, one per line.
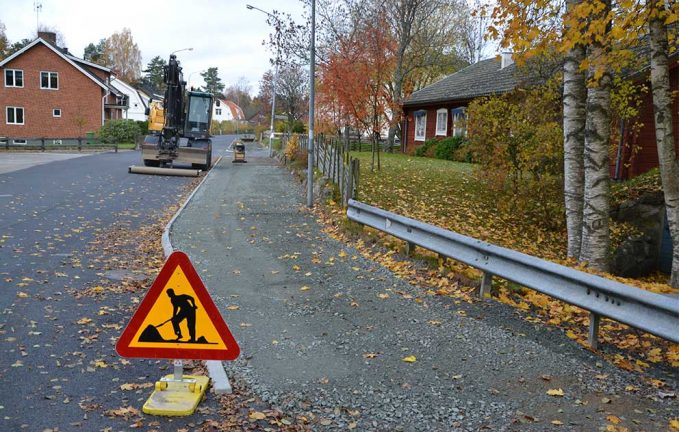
pixel 198 115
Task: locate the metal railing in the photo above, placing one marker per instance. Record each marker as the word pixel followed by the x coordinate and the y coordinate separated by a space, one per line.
pixel 654 313
pixel 45 143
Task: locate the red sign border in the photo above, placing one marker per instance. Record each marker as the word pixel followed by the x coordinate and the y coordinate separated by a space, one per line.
pixel 177 258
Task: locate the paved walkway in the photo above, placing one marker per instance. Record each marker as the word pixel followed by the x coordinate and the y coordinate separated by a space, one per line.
pixel 17 161
pixel 324 332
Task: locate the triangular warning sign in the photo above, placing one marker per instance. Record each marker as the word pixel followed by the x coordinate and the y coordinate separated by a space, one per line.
pixel 177 319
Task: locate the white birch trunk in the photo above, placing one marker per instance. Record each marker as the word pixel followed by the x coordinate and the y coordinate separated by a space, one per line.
pixel 664 134
pixel 595 221
pixel 574 114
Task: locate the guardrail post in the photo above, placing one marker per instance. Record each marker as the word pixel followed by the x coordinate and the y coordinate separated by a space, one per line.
pixel 410 248
pixel 486 284
pixel 594 320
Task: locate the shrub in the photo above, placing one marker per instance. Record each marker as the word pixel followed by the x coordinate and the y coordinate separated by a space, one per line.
pixel 119 131
pixel 292 148
pixel 447 147
pixel 143 127
pixel 426 149
pixel 518 140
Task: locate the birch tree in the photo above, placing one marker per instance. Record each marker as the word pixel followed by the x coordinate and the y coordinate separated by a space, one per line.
pixel 574 109
pixel 595 219
pixel 659 15
pixel 122 54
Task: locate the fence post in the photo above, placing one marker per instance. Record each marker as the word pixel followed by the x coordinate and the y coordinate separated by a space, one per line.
pixel 594 321
pixel 42 143
pixel 80 144
pixel 486 284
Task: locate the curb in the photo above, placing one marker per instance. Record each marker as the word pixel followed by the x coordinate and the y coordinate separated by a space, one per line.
pixel 215 368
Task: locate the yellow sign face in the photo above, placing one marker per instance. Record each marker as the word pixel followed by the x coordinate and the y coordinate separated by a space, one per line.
pixel 163 322
pixel 178 319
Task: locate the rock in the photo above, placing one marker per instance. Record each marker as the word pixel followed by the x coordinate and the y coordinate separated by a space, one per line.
pixel 638 255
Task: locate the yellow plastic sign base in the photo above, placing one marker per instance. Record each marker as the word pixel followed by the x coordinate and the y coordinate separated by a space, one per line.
pixel 172 398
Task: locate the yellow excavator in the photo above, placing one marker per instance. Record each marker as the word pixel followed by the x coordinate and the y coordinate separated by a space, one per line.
pixel 179 128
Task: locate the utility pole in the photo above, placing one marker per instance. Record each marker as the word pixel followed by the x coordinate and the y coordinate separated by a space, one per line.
pixel 312 84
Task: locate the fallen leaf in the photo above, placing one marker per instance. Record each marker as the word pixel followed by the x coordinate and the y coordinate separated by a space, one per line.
pixel 556 422
pixel 305 288
pixel 233 307
pixel 256 415
pixel 555 392
pixel 22 294
pixel 383 296
pixel 410 359
pixel 84 321
pixel 370 355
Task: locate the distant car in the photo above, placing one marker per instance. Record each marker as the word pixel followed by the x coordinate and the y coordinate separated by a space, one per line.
pixel 247 137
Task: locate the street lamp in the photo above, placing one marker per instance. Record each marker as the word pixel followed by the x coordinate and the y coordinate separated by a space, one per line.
pixel 191 74
pixel 183 49
pixel 275 74
pixel 312 85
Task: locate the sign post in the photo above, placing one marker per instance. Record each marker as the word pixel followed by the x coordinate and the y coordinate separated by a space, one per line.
pixel 178 320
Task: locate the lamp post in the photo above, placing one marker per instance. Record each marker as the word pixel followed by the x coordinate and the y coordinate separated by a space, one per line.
pixel 275 74
pixel 183 49
pixel 191 74
pixel 312 85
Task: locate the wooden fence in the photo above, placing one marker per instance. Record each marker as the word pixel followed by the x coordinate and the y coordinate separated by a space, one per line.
pixel 332 159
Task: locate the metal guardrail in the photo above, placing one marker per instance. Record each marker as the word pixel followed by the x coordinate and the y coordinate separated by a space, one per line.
pixel 654 313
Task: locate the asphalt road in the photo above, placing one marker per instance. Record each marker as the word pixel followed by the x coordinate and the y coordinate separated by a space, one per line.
pixel 324 333
pixel 58 367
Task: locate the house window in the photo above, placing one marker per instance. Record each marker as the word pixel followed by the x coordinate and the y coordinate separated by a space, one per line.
pixel 56 112
pixel 14 78
pixel 218 111
pixel 49 80
pixel 15 115
pixel 459 122
pixel 420 125
pixel 442 122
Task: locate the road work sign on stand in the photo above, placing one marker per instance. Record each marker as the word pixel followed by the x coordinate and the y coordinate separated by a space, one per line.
pixel 177 319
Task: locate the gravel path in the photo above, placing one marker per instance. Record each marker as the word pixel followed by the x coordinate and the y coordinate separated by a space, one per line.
pixel 324 332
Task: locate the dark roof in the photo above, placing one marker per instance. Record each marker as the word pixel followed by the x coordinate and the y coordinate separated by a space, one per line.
pixel 480 79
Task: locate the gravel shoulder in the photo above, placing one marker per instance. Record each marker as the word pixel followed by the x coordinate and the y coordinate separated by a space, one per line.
pixel 324 332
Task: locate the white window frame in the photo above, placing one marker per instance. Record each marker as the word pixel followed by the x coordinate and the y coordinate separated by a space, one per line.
pixel 460 131
pixel 422 118
pixel 441 129
pixel 23 115
pixel 49 80
pixel 14 77
pixel 218 111
pixel 54 112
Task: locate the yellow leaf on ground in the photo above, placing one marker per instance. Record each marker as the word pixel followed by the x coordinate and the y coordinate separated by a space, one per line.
pixel 257 415
pixel 557 422
pixel 410 359
pixel 305 288
pixel 674 424
pixel 84 321
pixel 370 355
pixel 383 296
pixel 233 307
pixel 613 419
pixel 342 253
pixel 555 392
pixel 22 294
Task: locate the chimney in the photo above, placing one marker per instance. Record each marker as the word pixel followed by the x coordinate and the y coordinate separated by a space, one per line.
pixel 506 59
pixel 50 37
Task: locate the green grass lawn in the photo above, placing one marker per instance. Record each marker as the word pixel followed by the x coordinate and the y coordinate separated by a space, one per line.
pixel 448 194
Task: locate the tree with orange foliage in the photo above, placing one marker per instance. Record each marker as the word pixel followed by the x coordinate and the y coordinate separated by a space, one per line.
pixel 354 80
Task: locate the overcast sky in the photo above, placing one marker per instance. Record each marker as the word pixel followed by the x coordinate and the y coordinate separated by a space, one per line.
pixel 222 33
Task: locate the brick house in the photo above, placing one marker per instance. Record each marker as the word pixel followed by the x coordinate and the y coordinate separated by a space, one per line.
pixel 48 92
pixel 438 110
